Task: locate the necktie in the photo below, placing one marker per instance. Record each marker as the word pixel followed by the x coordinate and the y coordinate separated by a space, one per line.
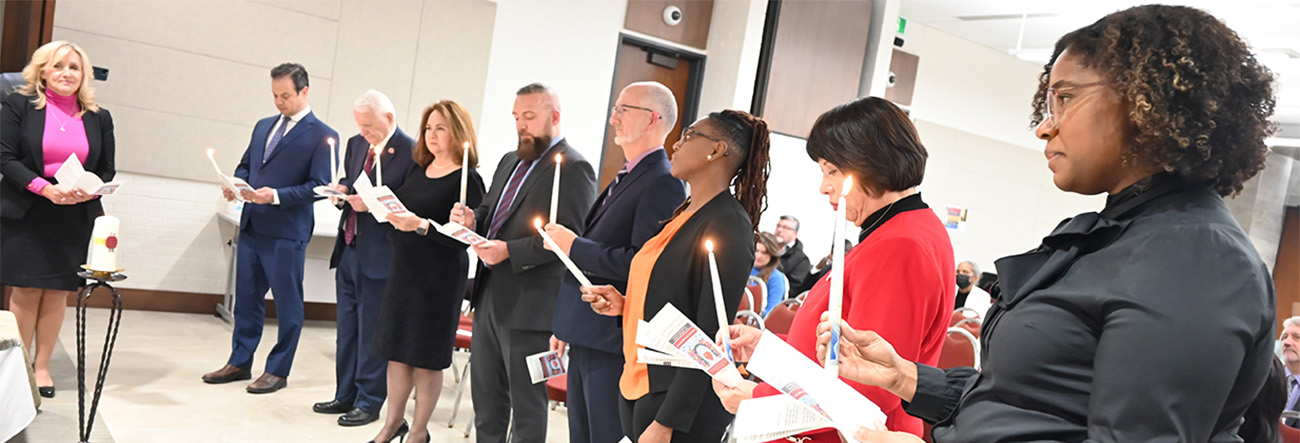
pixel 507 199
pixel 1293 394
pixel 609 192
pixel 350 227
pixel 275 138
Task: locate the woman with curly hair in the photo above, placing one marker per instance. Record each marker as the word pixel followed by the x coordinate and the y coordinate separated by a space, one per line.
pixel 1153 319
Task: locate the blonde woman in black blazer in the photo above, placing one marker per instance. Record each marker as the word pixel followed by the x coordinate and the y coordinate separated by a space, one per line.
pixel 45 226
pixel 724 152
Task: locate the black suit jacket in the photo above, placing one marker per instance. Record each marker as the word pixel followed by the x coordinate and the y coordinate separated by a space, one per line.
pixel 22 157
pixel 523 286
pixel 681 277
pixel 616 228
pixel 373 243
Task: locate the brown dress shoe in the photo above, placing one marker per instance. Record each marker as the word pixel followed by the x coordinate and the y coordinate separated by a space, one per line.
pixel 227 374
pixel 267 383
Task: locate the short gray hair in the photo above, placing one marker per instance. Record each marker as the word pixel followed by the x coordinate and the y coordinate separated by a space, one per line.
pixel 791 218
pixel 663 99
pixel 973 267
pixel 1293 321
pixel 376 102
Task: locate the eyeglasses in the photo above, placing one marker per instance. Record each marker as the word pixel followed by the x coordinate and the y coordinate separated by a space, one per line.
pixel 621 109
pixel 691 132
pixel 1056 105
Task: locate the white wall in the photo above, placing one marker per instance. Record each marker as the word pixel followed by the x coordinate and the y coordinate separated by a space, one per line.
pixel 972 88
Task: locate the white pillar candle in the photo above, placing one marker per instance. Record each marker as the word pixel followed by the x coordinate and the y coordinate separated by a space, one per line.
pixel 836 305
pixel 103 244
pixel 335 165
pixel 555 189
pixel 564 258
pixel 464 173
pixel 723 333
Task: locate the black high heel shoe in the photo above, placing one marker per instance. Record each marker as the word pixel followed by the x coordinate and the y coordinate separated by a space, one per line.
pixel 46 391
pixel 399 434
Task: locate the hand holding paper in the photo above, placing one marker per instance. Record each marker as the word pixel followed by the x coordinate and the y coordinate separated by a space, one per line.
pixel 74 178
pixel 784 368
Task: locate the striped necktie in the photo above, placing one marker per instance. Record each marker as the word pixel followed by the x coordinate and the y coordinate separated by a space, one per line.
pixel 275 138
pixel 507 199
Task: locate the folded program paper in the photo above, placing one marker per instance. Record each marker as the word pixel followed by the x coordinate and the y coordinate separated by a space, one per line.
pixel 775 417
pixel 687 341
pixel 791 372
pixel 379 200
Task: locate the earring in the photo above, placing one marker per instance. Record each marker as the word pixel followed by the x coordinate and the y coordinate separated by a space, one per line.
pixel 710 157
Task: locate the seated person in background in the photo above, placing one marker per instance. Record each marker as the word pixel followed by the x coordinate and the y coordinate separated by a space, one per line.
pixel 818 273
pixel 765 268
pixel 968 293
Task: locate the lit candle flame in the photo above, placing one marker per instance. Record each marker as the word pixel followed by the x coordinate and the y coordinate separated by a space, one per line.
pixel 209 152
pixel 330 140
pixel 708 244
pixel 558 158
pixel 537 222
pixel 465 145
pixel 848 183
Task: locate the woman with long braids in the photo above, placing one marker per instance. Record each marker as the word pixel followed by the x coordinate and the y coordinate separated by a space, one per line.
pixel 898 281
pixel 724 158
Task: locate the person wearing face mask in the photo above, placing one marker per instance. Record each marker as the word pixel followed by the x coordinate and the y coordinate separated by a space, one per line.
pixel 44 225
pixel 898 280
pixel 1153 319
pixel 969 294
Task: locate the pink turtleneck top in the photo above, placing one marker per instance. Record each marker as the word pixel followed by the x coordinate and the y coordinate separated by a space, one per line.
pixel 65 134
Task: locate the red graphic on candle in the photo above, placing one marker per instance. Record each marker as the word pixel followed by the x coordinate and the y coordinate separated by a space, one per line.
pixel 111 242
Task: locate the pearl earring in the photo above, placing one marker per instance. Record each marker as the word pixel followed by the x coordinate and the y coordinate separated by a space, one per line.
pixel 710 157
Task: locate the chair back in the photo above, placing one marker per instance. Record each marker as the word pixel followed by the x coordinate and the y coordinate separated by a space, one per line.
pixel 966 318
pixel 757 289
pixel 1289 434
pixel 750 318
pixel 960 348
pixel 782 315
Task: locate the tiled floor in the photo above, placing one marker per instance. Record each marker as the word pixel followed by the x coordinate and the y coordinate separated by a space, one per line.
pixel 153 392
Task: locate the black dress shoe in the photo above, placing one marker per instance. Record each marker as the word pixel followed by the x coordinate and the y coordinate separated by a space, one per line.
pixel 358 417
pixel 331 407
pixel 46 391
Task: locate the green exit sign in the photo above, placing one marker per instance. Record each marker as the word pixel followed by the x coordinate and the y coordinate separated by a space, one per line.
pixel 902 25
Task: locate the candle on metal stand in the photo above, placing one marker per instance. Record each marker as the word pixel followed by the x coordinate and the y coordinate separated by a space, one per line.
pixel 836 304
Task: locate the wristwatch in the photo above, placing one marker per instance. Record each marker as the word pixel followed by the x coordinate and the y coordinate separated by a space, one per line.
pixel 423 229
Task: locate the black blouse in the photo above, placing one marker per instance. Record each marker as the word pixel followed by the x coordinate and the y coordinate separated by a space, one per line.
pixel 1151 321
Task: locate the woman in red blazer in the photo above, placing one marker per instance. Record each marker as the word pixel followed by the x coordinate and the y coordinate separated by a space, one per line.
pixel 45 226
pixel 898 281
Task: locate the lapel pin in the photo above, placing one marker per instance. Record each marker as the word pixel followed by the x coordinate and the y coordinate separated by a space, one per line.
pixel 391 150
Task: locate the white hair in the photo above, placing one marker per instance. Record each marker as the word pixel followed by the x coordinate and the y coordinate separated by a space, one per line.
pixel 1293 321
pixel 974 267
pixel 376 102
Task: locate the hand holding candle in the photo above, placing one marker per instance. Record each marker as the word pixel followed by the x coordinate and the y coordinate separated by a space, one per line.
pixel 564 258
pixel 555 189
pixel 836 305
pixel 717 301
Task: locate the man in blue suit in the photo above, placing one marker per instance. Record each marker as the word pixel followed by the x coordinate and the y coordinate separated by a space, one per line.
pixel 286 158
pixel 625 215
pixel 361 261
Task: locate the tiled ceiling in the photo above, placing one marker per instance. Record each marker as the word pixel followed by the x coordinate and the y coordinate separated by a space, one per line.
pixel 1271 27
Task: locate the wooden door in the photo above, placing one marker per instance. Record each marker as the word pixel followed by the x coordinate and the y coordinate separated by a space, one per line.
pixel 643 61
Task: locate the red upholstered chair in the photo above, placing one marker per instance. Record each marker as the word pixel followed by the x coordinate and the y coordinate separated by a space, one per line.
pixel 758 289
pixel 464 335
pixel 960 348
pixel 778 320
pixel 1289 434
pixel 966 318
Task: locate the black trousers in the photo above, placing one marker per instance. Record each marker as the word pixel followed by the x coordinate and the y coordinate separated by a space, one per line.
pixel 710 422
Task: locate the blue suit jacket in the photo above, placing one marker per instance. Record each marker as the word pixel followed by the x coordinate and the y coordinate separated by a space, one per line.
pixel 299 163
pixel 374 248
pixel 613 234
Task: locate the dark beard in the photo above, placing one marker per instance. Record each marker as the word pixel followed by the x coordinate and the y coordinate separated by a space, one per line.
pixel 531 150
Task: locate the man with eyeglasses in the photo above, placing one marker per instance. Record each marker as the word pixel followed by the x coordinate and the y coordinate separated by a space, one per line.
pixel 794 263
pixel 626 214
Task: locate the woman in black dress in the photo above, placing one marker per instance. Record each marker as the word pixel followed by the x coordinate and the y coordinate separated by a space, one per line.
pixel 45 227
pixel 1152 320
pixel 421 308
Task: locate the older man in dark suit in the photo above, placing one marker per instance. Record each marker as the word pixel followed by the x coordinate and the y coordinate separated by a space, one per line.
pixel 361 260
pixel 626 214
pixel 286 158
pixel 514 295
